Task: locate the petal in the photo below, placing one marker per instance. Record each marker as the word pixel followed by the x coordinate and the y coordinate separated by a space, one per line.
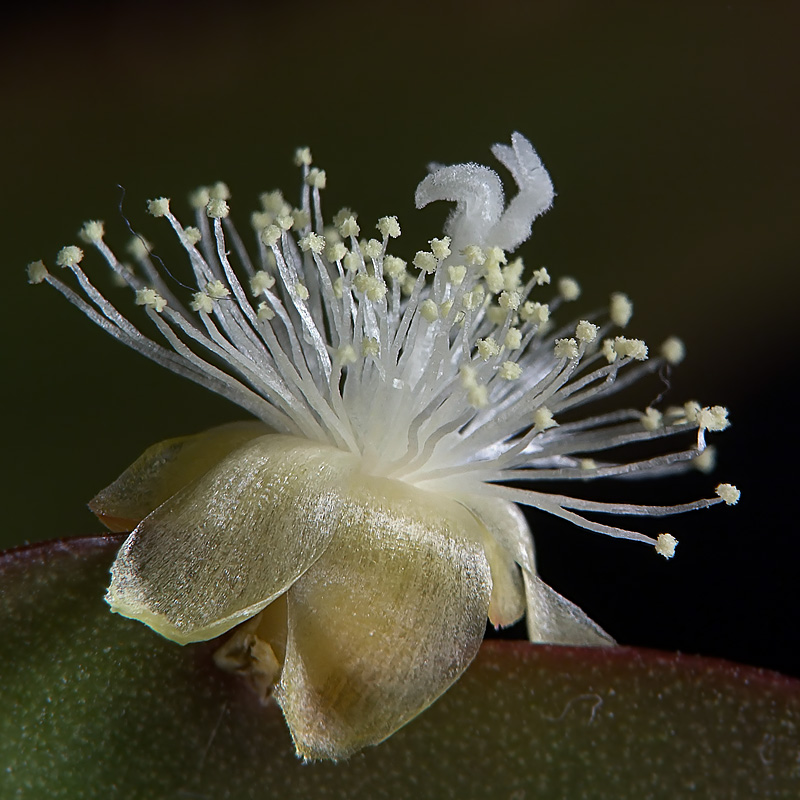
pixel 385 621
pixel 165 468
pixel 228 544
pixel 552 619
pixel 508 543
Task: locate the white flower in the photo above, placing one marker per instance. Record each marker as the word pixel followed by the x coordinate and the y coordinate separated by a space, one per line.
pixel 362 528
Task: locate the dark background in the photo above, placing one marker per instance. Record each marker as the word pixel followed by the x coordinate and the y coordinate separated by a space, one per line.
pixel 670 131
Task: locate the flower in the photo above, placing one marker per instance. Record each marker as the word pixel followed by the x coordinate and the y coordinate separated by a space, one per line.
pixel 362 528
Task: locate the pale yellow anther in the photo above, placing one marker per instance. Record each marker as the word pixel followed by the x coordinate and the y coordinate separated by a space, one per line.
pixel 569 289
pixel 691 409
pixel 302 157
pixel 338 288
pixel 541 276
pixel 201 302
pixel 352 261
pixel 138 247
pixel 729 493
pixel 509 300
pixel 301 218
pixel 301 291
pixel 673 350
pixel 271 235
pixel 260 219
pixel 342 214
pixel 37 272
pixel 588 463
pixel 494 278
pixel 152 299
pixel 217 290
pixel 478 396
pixel 706 461
pixel 312 242
pixel 261 282
pixel 630 348
pixel 273 202
pixel 609 351
pixel 69 256
pixel 394 267
pixel 199 197
pixel 219 191
pixel 620 309
pixel 496 255
pixel 512 274
pixel 509 371
pixel 285 222
pixel 444 308
pixel 92 231
pixel 652 419
pixel 349 227
pixel 543 419
pixel 217 208
pixel 473 300
pixel 429 310
pixel 474 255
pixel 407 285
pixel 331 234
pixel 370 347
pixel 158 207
pixel 468 376
pixel 376 290
pixel 425 261
pixel 389 227
pixel 457 273
pixel 192 235
pixel 513 340
pixel 441 247
pixel 488 348
pixel 346 354
pixel 666 544
pixel 316 178
pixel 335 251
pixel 264 312
pixel 372 249
pixel 535 313
pixel 496 315
pixel 713 418
pixel 565 348
pixel 585 331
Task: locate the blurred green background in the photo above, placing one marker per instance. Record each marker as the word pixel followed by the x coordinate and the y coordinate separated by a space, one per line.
pixel 670 131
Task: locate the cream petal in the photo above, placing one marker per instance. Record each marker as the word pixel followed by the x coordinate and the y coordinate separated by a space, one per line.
pixel 508 542
pixel 165 468
pixel 551 618
pixel 385 621
pixel 228 544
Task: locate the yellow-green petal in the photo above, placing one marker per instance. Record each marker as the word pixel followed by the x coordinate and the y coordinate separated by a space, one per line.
pixel 165 468
pixel 233 540
pixel 385 621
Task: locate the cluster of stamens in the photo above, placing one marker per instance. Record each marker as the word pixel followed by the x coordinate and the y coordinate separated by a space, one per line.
pixel 448 372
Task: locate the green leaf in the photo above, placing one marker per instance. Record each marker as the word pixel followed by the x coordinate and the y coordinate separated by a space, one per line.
pixel 97 706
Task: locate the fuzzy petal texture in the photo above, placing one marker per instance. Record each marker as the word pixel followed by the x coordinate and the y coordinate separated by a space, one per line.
pixel 231 542
pixel 165 468
pixel 385 621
